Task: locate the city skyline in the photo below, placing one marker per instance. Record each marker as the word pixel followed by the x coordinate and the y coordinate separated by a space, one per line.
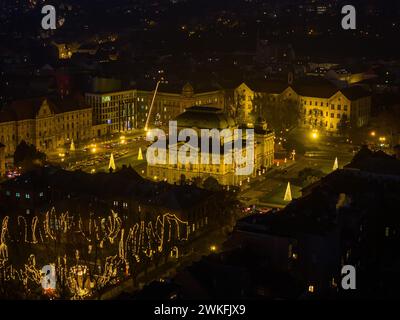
pixel 173 150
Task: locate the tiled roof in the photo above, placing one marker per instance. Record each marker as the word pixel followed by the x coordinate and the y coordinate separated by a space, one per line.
pixel 25 109
pixel 354 93
pixel 6 116
pixel 315 87
pixel 375 162
pixel 28 108
pixel 267 86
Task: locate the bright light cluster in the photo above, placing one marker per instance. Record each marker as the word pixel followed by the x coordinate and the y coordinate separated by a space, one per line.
pixel 106 249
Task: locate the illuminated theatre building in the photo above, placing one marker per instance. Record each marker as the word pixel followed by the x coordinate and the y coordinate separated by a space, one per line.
pixel 201 117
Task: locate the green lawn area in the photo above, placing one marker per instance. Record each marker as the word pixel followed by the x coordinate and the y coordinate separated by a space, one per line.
pixel 276 196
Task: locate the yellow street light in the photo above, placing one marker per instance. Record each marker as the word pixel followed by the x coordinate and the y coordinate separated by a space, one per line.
pixel 373 133
pixel 213 248
pixel 314 135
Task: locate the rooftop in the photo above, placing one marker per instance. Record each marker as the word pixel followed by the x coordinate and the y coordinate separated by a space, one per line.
pixel 203 117
pixel 28 108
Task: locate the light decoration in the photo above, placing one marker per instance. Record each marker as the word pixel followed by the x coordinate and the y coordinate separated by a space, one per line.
pixel 111 165
pixel 19 219
pixel 335 164
pixel 33 228
pixel 3 245
pixel 72 147
pixel 288 193
pixel 140 154
pixel 82 274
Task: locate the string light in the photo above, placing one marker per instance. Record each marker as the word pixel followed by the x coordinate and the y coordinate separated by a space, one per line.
pixel 138 241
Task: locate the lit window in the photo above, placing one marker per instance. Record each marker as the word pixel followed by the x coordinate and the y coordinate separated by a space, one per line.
pixel 310 288
pixel 17 195
pixel 27 196
pixel 387 231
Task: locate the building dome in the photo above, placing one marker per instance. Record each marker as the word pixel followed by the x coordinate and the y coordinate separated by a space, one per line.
pixel 187 90
pixel 260 125
pixel 205 118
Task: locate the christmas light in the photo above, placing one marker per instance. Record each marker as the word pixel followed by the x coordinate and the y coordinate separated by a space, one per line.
pixel 107 238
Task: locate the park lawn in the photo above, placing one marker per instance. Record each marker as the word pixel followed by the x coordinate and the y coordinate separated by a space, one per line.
pixel 276 196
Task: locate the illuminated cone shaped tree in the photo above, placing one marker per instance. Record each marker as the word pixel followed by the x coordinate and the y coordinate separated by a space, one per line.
pixel 335 164
pixel 72 147
pixel 288 193
pixel 111 165
pixel 140 155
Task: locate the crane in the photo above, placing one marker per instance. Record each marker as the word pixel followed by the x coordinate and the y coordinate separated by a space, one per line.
pixel 146 127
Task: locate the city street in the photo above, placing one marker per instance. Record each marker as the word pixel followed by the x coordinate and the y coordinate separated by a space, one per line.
pixel 95 156
pixel 269 189
pixel 263 191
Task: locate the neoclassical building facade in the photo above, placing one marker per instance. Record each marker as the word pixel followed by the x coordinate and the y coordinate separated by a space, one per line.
pixel 210 118
pixel 45 122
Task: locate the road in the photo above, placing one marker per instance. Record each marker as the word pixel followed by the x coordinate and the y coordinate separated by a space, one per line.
pixel 276 180
pixel 95 156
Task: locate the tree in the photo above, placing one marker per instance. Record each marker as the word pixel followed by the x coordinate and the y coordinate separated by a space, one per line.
pixel 289 113
pixel 236 111
pixel 388 122
pixel 27 156
pixel 258 102
pixel 279 113
pixel 212 184
pixel 344 126
pixel 310 175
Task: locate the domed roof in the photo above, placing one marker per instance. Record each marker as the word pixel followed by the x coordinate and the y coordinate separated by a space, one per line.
pixel 187 90
pixel 260 121
pixel 260 125
pixel 205 118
